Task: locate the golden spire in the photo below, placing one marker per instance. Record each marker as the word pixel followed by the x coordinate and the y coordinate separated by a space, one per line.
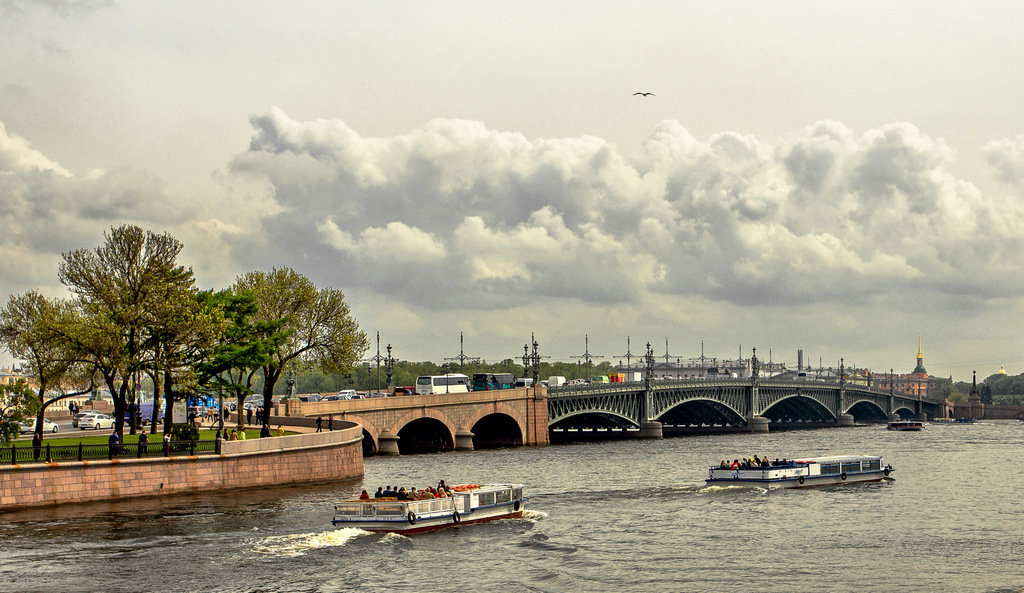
pixel 919 354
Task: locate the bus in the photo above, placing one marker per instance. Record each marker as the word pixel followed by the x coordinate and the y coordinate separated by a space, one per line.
pixel 489 381
pixel 450 383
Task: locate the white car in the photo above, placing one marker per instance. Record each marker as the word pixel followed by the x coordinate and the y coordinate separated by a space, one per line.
pixel 48 426
pixel 96 422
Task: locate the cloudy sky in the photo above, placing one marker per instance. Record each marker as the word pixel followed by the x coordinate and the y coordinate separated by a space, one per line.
pixel 837 177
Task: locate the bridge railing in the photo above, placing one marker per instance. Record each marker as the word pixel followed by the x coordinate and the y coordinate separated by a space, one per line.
pixel 577 389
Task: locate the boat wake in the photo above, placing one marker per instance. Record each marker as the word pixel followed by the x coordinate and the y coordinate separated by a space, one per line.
pixel 533 516
pixel 297 544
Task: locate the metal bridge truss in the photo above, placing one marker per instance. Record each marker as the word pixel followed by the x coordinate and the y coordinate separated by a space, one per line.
pixel 721 403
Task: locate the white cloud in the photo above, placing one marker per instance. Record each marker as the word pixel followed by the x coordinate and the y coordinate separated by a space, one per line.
pixel 456 220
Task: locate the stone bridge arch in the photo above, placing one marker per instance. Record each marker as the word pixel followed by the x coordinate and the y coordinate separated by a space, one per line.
pixel 424 430
pixel 498 425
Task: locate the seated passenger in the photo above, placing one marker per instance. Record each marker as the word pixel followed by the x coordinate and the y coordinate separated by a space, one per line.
pixel 379 493
pixel 735 464
pixel 364 496
pixel 402 494
pixel 723 465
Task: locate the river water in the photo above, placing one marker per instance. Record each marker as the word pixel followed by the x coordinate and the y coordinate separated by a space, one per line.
pixel 612 516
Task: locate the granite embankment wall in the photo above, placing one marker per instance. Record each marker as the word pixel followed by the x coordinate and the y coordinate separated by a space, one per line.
pixel 304 458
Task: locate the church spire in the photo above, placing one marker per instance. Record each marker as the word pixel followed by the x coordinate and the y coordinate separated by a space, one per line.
pixel 920 359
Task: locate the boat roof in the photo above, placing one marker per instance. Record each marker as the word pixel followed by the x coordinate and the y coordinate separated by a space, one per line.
pixel 836 458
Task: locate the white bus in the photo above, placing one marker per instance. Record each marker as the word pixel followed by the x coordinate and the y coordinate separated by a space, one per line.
pixel 450 383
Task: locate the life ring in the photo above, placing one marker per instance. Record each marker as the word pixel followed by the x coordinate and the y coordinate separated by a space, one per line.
pixel 515 506
pixel 800 480
pixel 842 476
pixel 456 517
pixel 886 471
pixel 411 517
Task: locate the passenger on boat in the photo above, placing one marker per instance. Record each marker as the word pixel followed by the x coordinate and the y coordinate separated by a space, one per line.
pixel 764 462
pixel 723 465
pixel 364 496
pixel 379 493
pixel 402 494
pixel 735 464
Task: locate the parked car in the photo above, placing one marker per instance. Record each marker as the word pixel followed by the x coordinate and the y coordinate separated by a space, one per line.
pixel 78 417
pixel 96 422
pixel 48 426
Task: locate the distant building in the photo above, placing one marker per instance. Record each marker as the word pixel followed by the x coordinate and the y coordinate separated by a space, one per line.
pixel 914 383
pixel 11 376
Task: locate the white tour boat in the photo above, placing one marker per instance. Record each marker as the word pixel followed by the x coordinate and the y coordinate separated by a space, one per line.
pixel 801 473
pixel 469 503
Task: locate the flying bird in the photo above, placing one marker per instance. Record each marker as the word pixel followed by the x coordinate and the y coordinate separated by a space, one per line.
pixel 644 94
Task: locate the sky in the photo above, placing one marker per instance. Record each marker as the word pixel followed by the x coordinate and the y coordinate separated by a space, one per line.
pixel 841 178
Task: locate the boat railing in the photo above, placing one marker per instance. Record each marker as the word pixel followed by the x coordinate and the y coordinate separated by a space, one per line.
pixel 396 508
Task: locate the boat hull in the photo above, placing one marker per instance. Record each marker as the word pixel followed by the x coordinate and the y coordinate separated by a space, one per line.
pixel 422 525
pixel 467 505
pixel 792 483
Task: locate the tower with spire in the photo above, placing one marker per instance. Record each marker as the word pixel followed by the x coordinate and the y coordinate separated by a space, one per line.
pixel 919 369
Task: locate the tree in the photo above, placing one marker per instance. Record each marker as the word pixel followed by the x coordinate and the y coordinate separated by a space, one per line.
pixel 320 331
pixel 230 366
pixel 17 402
pixel 120 286
pixel 34 329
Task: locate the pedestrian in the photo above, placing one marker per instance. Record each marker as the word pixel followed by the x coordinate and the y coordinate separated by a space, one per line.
pixel 113 442
pixel 234 435
pixel 143 443
pixel 330 422
pixel 167 444
pixel 248 416
pixel 319 424
pixel 259 415
pixel 265 431
pixel 280 430
pixel 36 444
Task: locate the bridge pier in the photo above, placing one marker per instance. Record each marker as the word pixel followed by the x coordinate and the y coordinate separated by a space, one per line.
pixel 463 440
pixel 757 424
pixel 388 443
pixel 650 430
pixel 845 420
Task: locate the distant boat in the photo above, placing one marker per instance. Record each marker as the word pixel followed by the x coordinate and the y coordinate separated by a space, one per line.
pixel 954 420
pixel 905 425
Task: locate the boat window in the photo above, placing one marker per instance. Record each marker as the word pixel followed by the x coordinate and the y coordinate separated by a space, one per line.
pixel 517 494
pixel 503 496
pixel 829 468
pixel 851 466
pixel 486 498
pixel 873 465
pixel 396 509
pixel 349 509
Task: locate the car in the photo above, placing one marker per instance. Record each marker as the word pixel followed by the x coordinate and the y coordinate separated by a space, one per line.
pixel 78 417
pixel 377 394
pixel 48 426
pixel 96 422
pixel 348 394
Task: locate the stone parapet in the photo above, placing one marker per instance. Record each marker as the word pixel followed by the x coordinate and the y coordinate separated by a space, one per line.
pixel 274 461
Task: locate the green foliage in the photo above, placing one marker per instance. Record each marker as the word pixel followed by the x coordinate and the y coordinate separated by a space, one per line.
pixel 320 332
pixel 184 432
pixel 17 403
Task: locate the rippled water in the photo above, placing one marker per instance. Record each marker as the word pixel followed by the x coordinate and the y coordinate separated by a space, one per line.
pixel 613 516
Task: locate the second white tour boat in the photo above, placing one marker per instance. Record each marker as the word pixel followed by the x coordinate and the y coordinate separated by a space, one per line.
pixel 801 473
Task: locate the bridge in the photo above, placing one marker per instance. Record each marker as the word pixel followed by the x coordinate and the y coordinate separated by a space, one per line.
pixel 752 404
pixel 530 416
pixel 404 424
